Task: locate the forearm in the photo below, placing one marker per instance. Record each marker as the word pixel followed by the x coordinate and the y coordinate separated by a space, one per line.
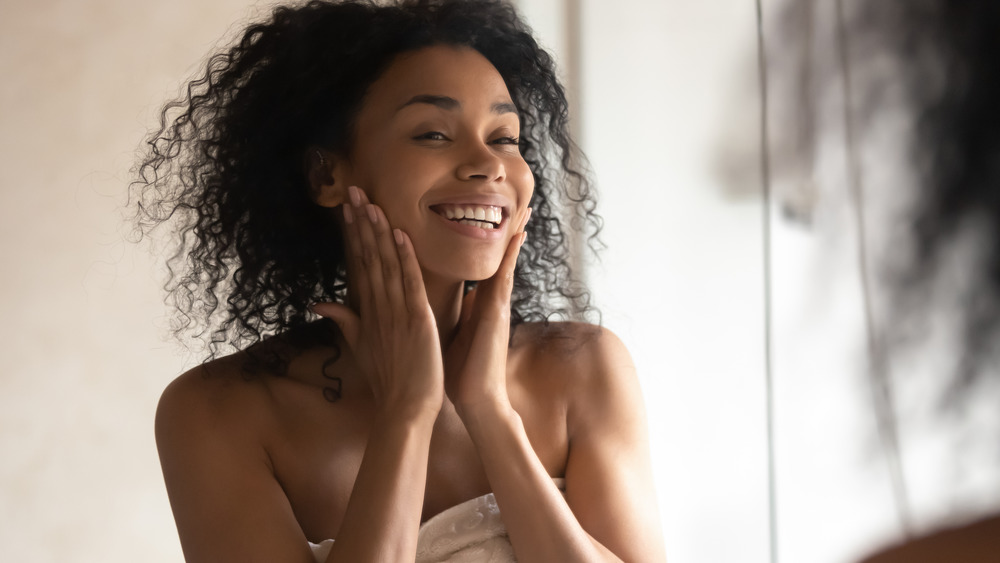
pixel 540 524
pixel 383 515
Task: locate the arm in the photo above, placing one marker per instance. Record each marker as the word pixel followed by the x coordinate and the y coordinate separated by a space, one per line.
pixel 609 475
pixel 227 502
pixel 394 338
pixel 225 499
pixel 608 513
pixel 383 515
pixel 229 506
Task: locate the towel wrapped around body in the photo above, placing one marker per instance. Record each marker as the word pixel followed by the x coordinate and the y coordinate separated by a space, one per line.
pixel 468 532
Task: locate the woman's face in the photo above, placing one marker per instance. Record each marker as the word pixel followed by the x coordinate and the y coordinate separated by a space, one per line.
pixel 436 147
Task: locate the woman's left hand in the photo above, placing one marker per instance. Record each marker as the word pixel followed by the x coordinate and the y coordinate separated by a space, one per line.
pixel 476 360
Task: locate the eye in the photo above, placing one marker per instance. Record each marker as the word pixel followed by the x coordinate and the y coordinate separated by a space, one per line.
pixel 431 136
pixel 505 141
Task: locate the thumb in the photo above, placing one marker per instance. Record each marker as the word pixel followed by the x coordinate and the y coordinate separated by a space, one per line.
pixel 346 319
pixel 468 303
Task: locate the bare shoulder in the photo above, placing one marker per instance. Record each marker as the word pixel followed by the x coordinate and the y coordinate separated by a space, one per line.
pixel 216 416
pixel 589 363
pixel 215 394
pixel 575 342
pixel 211 429
pixel 609 477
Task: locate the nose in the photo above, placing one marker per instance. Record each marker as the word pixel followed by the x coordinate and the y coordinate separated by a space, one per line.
pixel 480 162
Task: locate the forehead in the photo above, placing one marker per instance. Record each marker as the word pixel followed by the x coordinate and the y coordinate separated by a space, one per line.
pixel 458 72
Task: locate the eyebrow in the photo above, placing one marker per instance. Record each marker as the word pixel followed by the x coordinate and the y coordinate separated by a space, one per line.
pixel 448 103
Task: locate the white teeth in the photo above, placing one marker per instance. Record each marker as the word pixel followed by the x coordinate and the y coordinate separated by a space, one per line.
pixel 481 213
pixel 479 224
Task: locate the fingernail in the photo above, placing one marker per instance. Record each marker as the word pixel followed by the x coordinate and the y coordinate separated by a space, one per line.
pixel 348 215
pixel 398 235
pixel 371 214
pixel 355 195
pixel 524 237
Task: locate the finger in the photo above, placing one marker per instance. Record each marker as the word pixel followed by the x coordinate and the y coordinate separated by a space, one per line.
pixel 413 279
pixel 345 318
pixel 496 290
pixel 524 221
pixel 371 259
pixel 509 262
pixel 367 250
pixel 503 280
pixel 355 265
pixel 468 304
pixel 391 269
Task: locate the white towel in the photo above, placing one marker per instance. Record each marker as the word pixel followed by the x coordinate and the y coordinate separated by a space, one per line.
pixel 469 532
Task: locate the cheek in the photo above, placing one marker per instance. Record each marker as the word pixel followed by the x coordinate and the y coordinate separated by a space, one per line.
pixel 391 180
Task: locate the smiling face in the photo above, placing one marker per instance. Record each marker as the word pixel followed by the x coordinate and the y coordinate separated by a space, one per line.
pixel 436 147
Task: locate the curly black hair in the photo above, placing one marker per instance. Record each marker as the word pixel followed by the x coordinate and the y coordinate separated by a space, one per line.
pixel 226 166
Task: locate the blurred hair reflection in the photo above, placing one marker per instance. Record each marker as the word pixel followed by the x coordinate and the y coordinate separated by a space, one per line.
pixel 939 59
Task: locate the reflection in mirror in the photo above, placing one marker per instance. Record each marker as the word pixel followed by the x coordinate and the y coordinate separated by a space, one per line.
pixel 882 113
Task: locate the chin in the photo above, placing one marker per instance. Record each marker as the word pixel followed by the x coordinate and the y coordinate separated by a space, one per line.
pixel 467 270
pixel 484 270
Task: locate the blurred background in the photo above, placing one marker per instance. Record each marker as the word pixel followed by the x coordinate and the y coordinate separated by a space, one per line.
pixel 667 107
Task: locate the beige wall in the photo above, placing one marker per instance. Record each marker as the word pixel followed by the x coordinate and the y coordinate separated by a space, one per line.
pixel 83 344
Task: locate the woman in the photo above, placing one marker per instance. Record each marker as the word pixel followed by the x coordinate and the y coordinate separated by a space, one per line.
pixel 376 166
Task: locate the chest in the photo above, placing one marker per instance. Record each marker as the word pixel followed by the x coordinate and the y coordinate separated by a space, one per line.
pixel 317 456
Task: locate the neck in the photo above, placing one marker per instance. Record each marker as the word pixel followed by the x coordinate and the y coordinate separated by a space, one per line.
pixel 445 298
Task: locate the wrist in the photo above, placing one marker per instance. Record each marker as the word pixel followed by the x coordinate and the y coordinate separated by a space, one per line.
pixel 409 413
pixel 486 413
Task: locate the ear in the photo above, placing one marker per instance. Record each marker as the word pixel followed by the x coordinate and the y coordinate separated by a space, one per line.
pixel 325 173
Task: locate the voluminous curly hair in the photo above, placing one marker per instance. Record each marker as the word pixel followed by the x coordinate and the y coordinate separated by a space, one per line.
pixel 226 166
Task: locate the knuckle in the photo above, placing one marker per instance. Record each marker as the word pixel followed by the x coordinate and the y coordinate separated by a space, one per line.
pixel 354 250
pixel 390 269
pixel 409 280
pixel 497 311
pixel 411 284
pixel 419 317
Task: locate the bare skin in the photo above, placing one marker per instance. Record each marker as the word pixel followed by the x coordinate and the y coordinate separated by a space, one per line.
pixel 435 407
pixel 975 542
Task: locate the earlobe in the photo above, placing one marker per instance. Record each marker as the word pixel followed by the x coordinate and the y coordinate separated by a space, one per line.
pixel 322 173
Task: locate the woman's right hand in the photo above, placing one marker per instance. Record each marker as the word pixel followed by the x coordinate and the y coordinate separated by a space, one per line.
pixel 392 336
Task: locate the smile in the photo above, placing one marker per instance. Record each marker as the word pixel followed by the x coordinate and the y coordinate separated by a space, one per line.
pixel 487 217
